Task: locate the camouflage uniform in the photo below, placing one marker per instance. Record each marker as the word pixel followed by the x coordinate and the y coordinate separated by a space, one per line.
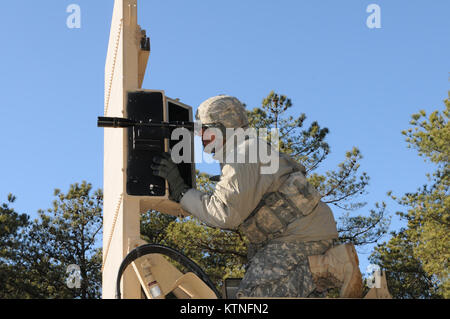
pixel 223 109
pixel 282 241
pixel 281 269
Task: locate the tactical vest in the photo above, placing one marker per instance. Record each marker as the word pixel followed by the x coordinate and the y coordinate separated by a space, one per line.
pixel 294 199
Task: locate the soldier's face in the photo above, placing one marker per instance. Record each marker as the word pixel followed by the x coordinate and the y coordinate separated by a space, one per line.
pixel 208 136
pixel 212 135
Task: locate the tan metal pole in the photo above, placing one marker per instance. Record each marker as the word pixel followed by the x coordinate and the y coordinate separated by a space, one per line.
pixel 120 212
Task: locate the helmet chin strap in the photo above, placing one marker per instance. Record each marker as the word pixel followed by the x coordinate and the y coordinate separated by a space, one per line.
pixel 209 150
pixel 212 144
pixel 211 147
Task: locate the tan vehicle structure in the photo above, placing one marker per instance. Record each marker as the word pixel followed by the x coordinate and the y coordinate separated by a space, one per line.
pixel 152 276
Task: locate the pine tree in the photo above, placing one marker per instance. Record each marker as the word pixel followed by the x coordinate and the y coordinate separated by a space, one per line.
pixel 63 235
pixel 425 241
pixel 12 227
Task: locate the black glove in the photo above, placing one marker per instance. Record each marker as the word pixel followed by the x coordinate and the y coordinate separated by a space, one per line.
pixel 164 167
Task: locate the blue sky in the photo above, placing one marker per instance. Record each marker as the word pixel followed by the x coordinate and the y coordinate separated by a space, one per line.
pixel 363 84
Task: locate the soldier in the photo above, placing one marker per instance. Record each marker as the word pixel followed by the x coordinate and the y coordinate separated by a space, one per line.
pixel 290 231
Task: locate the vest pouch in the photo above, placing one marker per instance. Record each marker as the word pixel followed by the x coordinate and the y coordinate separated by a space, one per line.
pixel 281 208
pixel 252 231
pixel 294 199
pixel 300 194
pixel 270 220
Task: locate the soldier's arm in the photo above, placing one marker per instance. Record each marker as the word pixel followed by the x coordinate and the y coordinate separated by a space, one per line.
pixel 239 190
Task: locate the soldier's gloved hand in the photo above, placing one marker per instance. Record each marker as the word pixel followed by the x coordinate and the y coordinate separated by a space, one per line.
pixel 164 167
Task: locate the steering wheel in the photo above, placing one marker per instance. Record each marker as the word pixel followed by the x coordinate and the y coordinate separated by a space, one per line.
pixel 166 251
